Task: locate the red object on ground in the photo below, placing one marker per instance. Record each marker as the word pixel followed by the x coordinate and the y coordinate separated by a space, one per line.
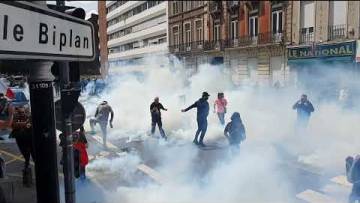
pixel 84 159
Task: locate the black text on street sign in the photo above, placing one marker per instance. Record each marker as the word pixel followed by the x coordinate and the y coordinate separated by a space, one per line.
pixel 29 31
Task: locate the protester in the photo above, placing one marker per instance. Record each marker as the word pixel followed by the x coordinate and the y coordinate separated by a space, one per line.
pixel 102 117
pixel 353 176
pixel 304 109
pixel 22 132
pixel 155 110
pixel 235 131
pixel 202 106
pixel 220 107
pixel 3 107
pixel 80 143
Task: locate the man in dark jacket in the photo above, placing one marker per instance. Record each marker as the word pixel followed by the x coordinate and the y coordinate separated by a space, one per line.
pixel 155 110
pixel 304 109
pixel 202 106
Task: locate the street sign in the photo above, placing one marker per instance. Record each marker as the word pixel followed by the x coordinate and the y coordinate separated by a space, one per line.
pixel 78 116
pixel 30 31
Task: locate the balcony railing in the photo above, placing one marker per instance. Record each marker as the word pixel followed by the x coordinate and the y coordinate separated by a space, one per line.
pixel 336 32
pixel 270 37
pixel 306 38
pixel 214 45
pixel 187 47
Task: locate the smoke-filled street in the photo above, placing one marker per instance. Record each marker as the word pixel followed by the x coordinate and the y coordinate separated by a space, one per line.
pixel 274 164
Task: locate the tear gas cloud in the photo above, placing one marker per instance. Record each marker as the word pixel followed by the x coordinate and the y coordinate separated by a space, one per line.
pixel 253 176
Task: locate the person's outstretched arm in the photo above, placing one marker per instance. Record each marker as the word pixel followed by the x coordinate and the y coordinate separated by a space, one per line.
pixel 190 107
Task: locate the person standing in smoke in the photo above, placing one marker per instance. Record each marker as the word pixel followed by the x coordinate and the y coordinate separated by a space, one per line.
pixel 353 176
pixel 102 117
pixel 220 107
pixel 304 109
pixel 235 132
pixel 202 106
pixel 22 132
pixel 155 110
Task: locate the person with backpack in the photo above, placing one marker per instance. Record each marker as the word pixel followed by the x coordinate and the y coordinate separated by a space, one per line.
pixel 235 132
pixel 220 107
pixel 80 144
pixel 22 132
pixel 155 110
pixel 202 106
pixel 352 166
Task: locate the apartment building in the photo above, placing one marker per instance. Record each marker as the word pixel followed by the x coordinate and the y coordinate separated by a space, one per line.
pixel 323 37
pixel 254 41
pixel 135 29
pixel 247 37
pixel 187 28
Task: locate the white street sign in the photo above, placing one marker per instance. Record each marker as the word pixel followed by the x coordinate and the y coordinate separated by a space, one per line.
pixel 30 31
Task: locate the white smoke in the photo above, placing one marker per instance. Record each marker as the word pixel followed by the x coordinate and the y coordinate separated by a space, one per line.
pixel 257 174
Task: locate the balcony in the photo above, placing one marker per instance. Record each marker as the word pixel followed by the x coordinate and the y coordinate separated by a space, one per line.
pixel 217 45
pixel 271 38
pixel 187 47
pixel 306 38
pixel 336 32
pixel 139 52
pixel 233 6
pixel 215 8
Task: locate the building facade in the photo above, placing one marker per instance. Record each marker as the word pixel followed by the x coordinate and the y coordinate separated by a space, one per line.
pixel 135 29
pixel 103 38
pixel 247 37
pixel 323 38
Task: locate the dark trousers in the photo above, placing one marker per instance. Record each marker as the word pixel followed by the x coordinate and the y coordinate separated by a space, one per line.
pixel 202 127
pixel 82 172
pixel 159 124
pixel 355 193
pixel 24 141
pixel 221 118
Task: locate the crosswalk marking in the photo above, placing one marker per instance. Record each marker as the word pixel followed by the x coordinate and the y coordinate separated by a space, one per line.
pixel 312 196
pixel 152 173
pixel 341 180
pixel 100 140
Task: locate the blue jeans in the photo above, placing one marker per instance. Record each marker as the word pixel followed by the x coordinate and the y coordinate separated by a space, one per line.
pixel 202 127
pixel 221 118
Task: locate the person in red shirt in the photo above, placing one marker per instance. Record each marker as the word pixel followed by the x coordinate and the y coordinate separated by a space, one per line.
pixel 80 144
pixel 220 107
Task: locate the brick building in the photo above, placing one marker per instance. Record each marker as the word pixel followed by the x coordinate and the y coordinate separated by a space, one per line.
pixel 103 38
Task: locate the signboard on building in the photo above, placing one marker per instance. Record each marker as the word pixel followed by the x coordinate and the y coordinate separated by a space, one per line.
pixel 30 31
pixel 322 51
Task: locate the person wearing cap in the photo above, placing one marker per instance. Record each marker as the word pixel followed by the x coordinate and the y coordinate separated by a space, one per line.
pixel 155 110
pixel 202 106
pixel 102 117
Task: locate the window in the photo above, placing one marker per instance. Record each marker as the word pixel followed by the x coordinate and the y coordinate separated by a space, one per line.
pixel 307 13
pixel 199 30
pixel 338 12
pixel 187 33
pixel 216 31
pixel 187 5
pixel 253 26
pixel 176 38
pixel 176 7
pixel 277 21
pixel 234 29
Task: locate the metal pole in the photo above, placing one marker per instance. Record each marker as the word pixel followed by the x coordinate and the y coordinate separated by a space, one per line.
pixel 43 118
pixel 68 155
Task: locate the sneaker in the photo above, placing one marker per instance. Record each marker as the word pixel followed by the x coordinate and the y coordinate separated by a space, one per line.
pixel 195 142
pixel 92 132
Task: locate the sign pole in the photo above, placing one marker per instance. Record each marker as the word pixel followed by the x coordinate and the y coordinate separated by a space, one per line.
pixel 43 119
pixel 68 154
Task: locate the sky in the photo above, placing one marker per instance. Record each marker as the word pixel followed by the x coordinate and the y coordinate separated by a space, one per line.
pixel 89 6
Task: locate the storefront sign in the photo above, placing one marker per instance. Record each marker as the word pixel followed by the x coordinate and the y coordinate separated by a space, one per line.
pixel 321 51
